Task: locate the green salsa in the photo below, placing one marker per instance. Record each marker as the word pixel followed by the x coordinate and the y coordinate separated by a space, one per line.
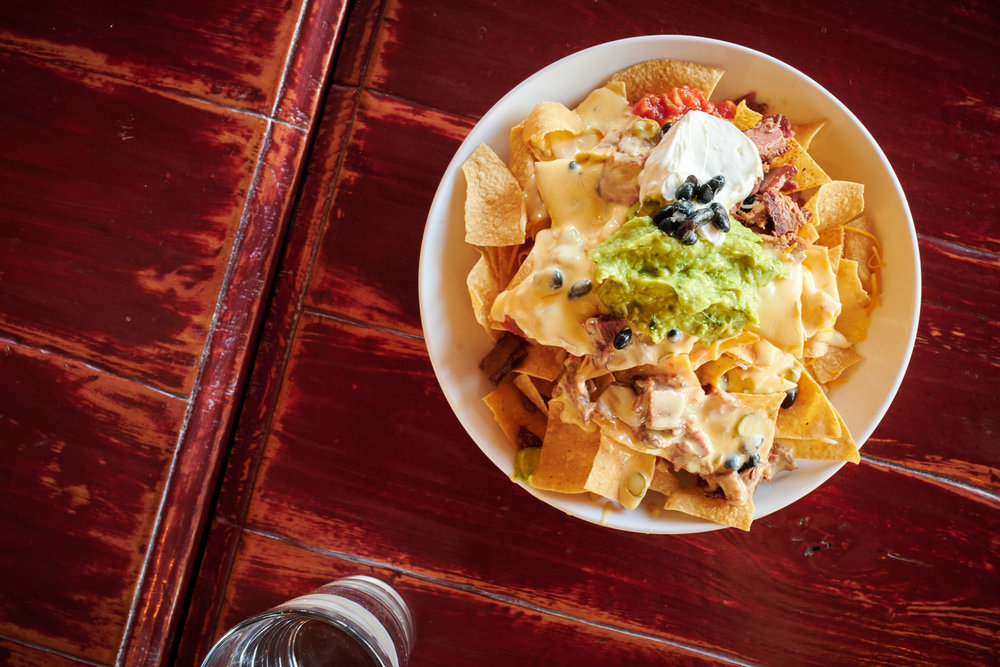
pixel 659 284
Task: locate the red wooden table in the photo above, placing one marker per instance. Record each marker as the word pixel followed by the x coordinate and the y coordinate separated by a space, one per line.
pixel 214 391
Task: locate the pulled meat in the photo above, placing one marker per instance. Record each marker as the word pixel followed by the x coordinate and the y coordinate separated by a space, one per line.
pixel 603 331
pixel 771 137
pixel 786 216
pixel 508 352
pixel 625 154
pixel 619 179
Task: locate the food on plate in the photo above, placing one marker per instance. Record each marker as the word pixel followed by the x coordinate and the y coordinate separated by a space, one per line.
pixel 672 285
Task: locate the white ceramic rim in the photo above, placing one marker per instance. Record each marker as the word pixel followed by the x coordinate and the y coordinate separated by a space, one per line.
pixel 867 163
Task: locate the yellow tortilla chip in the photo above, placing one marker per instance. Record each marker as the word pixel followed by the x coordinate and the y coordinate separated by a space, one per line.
pixel 861 246
pixel 522 162
pixel 567 455
pixel 812 416
pixel 810 174
pixel 549 121
pixel 483 290
pixel 808 233
pixel 663 75
pixel 693 501
pixel 830 366
pixel 530 390
pixel 835 203
pixel 841 448
pixel 620 474
pixel 854 316
pixel 521 421
pixel 494 202
pixel 543 361
pixel 806 132
pixel 745 117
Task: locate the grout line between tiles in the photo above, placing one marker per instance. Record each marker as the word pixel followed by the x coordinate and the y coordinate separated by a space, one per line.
pixel 52 651
pixel 4 340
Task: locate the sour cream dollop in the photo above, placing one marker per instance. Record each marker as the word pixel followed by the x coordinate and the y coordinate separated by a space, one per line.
pixel 706 146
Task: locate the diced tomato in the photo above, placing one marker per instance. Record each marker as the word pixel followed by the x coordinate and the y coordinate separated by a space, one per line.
pixel 669 107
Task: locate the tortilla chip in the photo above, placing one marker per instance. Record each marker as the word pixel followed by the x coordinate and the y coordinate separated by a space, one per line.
pixel 861 246
pixel 810 174
pixel 503 262
pixel 692 500
pixel 806 132
pixel 549 121
pixel 522 162
pixel 494 202
pixel 543 361
pixel 841 448
pixel 835 203
pixel 620 474
pixel 521 421
pixel 711 373
pixel 812 416
pixel 530 390
pixel 746 117
pixel 567 456
pixel 854 317
pixel 663 75
pixel 814 348
pixel 483 290
pixel 832 365
pixel 808 233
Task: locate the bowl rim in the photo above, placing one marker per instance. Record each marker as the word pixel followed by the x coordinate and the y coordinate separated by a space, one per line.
pixel 428 268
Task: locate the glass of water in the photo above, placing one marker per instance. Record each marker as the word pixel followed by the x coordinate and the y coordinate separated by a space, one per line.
pixel 356 621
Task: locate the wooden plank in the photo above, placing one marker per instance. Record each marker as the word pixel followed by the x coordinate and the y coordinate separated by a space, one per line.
pixel 361 461
pixel 956 353
pixel 13 654
pixel 113 245
pixel 454 626
pixel 310 216
pixel 85 459
pixel 359 33
pixel 232 53
pixel 213 406
pixel 311 59
pixel 367 266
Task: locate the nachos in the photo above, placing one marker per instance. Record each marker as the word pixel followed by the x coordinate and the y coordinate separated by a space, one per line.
pixel 672 285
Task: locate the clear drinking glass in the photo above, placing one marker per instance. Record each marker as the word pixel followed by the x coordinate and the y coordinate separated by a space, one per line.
pixel 357 620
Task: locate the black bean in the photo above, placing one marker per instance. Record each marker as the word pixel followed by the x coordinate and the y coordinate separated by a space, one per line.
pixel 690 238
pixel 704 193
pixel 623 339
pixel 666 126
pixel 573 164
pixel 733 462
pixel 716 182
pixel 692 179
pixel 790 397
pixel 752 462
pixel 684 191
pixel 675 212
pixel 720 218
pixel 700 216
pixel 556 280
pixel 674 335
pixel 579 288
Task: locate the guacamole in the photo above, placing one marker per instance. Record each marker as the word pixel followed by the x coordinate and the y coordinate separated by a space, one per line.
pixel 659 284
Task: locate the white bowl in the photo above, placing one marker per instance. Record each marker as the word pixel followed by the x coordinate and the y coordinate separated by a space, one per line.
pixel 844 148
